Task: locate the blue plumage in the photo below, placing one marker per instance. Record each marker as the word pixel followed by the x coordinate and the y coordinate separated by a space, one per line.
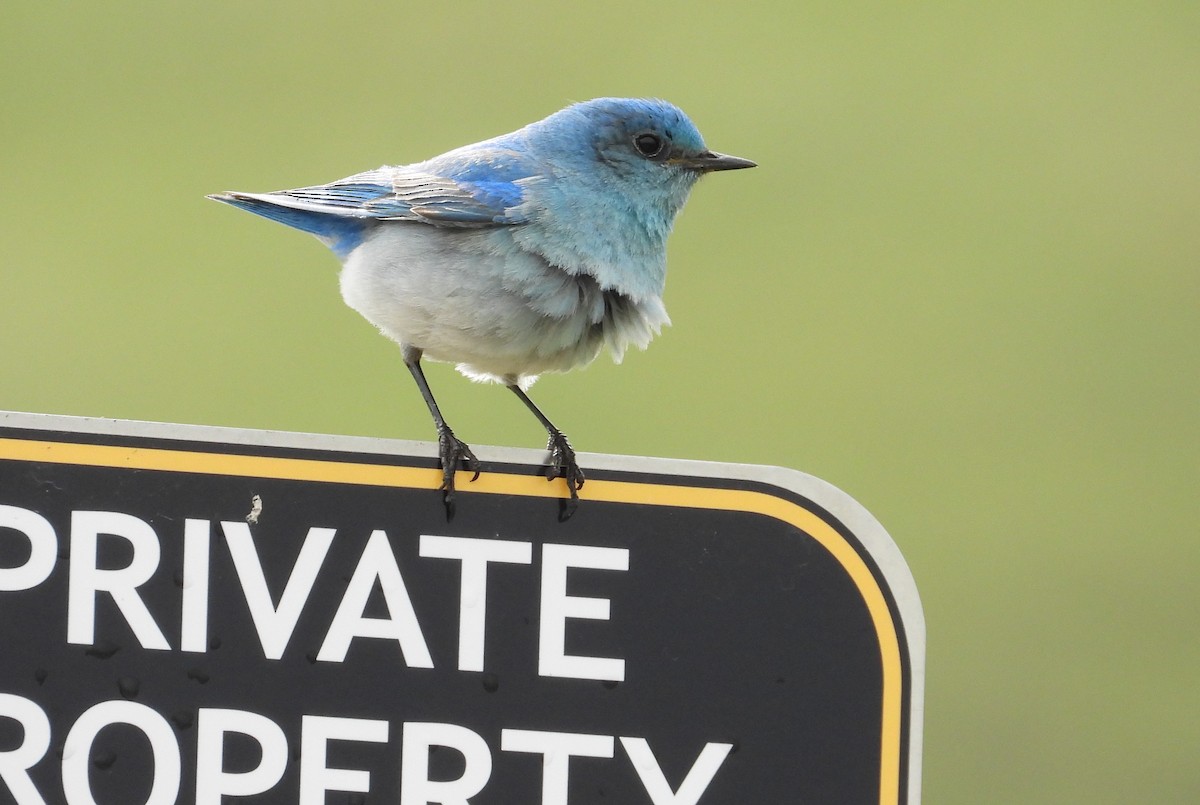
pixel 340 233
pixel 522 254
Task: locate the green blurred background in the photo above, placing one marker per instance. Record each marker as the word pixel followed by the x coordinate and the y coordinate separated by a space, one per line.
pixel 962 285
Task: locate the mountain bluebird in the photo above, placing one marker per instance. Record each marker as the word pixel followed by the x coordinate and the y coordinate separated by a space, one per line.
pixel 523 254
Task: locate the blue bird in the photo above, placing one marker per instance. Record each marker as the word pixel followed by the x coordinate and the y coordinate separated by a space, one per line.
pixel 523 254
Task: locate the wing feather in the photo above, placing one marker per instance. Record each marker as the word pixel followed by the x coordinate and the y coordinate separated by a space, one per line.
pixel 412 194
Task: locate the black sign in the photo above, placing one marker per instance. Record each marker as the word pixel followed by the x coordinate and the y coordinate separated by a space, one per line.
pixel 202 615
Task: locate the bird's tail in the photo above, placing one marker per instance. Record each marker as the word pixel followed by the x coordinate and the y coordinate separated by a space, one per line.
pixel 340 233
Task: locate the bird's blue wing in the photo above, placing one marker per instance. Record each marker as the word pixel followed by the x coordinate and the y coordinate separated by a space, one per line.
pixel 472 187
pixel 470 194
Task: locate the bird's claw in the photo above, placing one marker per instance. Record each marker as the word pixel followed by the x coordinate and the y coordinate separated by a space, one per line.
pixel 563 465
pixel 451 451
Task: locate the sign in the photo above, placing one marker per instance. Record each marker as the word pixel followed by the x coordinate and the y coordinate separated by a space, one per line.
pixel 208 615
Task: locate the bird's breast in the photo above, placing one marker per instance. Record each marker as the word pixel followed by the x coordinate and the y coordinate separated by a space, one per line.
pixel 480 299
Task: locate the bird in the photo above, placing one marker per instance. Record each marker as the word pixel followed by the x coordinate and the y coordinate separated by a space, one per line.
pixel 519 255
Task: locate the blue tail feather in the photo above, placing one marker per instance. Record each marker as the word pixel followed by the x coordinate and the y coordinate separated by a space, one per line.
pixel 339 233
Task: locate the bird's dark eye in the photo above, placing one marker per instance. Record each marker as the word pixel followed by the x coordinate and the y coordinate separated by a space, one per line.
pixel 648 145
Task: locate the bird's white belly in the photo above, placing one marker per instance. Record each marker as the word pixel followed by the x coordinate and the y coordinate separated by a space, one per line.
pixel 474 298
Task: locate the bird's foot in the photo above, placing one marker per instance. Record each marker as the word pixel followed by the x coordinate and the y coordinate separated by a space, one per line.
pixel 563 465
pixel 451 451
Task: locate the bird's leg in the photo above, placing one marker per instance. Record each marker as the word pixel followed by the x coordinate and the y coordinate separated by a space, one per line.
pixel 451 449
pixel 562 455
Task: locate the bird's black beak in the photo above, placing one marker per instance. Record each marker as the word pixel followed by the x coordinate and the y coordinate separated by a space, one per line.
pixel 712 161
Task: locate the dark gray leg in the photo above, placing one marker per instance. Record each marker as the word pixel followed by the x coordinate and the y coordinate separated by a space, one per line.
pixel 451 449
pixel 562 455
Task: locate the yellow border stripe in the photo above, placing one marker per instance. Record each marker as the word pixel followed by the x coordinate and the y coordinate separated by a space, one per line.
pixel 299 469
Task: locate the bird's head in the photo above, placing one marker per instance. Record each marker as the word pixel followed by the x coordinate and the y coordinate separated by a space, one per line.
pixel 645 149
pixel 611 175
